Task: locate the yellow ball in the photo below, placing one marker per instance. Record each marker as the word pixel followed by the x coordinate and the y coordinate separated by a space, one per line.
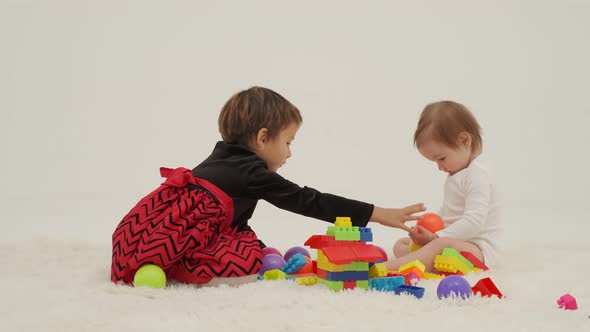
pixel 150 275
pixel 414 247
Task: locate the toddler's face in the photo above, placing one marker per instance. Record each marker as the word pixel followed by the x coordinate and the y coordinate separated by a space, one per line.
pixel 277 151
pixel 448 160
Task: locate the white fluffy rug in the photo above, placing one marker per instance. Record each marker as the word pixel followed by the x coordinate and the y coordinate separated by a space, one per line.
pixel 57 285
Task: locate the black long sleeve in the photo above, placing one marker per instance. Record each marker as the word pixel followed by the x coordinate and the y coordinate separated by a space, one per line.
pixel 244 176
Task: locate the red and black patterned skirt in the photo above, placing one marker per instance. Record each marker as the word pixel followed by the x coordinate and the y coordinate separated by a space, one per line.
pixel 184 227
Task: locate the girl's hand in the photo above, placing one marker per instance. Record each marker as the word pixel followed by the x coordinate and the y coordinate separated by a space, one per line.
pixel 421 236
pixel 397 217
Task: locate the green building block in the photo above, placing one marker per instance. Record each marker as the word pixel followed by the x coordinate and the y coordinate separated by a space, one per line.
pixel 357 266
pixel 333 285
pixel 452 252
pixel 345 233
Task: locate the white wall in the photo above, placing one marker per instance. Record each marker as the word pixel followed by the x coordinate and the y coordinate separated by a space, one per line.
pixel 95 96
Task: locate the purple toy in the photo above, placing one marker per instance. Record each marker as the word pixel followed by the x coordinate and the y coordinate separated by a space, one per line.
pixel 296 250
pixel 270 250
pixel 271 262
pixel 453 286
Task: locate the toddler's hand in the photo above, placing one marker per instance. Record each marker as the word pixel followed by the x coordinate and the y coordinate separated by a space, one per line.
pixel 397 217
pixel 421 236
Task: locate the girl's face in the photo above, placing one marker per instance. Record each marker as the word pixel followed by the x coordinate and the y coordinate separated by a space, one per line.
pixel 449 160
pixel 275 151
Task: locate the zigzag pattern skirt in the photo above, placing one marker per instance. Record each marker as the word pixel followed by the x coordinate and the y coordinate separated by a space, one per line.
pixel 184 227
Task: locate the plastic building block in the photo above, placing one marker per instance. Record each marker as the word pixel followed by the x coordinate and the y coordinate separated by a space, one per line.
pixel 388 284
pixel 486 287
pixel 452 252
pixel 349 284
pixel 366 234
pixel 339 255
pixel 414 263
pixel 474 260
pixel 344 276
pixel 432 276
pixel 294 264
pixel 413 290
pixel 413 269
pixel 567 302
pixel 274 275
pixel 343 221
pixel 324 263
pixel 412 279
pixel 333 285
pixel 449 264
pixel 307 281
pixel 378 270
pixel 367 253
pixel 347 233
pixel 363 284
pixel 357 266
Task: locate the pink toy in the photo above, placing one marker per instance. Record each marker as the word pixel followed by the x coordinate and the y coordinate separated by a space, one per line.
pixel 567 302
pixel 270 250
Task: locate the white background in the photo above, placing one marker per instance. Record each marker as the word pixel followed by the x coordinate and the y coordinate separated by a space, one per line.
pixel 96 96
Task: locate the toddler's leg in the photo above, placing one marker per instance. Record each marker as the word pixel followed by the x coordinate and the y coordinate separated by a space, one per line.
pixel 427 253
pixel 401 247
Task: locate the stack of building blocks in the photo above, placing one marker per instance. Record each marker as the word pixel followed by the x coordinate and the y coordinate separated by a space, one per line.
pixel 343 256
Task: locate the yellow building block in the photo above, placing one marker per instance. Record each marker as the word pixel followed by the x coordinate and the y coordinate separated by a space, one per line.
pixel 307 281
pixel 378 270
pixel 427 275
pixel 343 221
pixel 450 264
pixel 274 275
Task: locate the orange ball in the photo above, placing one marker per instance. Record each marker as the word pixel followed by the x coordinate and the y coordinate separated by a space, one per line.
pixel 307 268
pixel 432 222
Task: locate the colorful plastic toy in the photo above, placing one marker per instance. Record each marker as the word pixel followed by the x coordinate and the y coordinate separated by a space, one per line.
pixel 295 250
pixel 388 284
pixel 150 275
pixel 382 252
pixel 294 264
pixel 270 250
pixel 413 290
pixel 453 286
pixel 486 287
pixel 432 222
pixel 567 302
pixel 271 262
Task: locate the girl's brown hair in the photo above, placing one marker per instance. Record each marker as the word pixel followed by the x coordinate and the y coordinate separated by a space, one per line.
pixel 443 121
pixel 248 111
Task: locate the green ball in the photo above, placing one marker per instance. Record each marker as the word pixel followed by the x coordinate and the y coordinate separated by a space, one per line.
pixel 150 275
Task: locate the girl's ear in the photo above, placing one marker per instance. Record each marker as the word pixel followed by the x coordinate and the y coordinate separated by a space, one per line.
pixel 261 138
pixel 464 139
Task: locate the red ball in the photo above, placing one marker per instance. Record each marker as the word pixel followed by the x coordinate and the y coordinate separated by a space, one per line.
pixel 432 222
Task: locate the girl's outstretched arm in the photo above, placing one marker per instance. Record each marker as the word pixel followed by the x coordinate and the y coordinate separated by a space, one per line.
pixel 397 217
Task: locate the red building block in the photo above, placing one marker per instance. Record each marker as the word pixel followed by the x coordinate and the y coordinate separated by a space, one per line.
pixel 349 284
pixel 486 287
pixel 474 260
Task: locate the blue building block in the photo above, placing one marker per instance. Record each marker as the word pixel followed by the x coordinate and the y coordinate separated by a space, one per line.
pixel 347 275
pixel 295 263
pixel 366 234
pixel 387 284
pixel 416 291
